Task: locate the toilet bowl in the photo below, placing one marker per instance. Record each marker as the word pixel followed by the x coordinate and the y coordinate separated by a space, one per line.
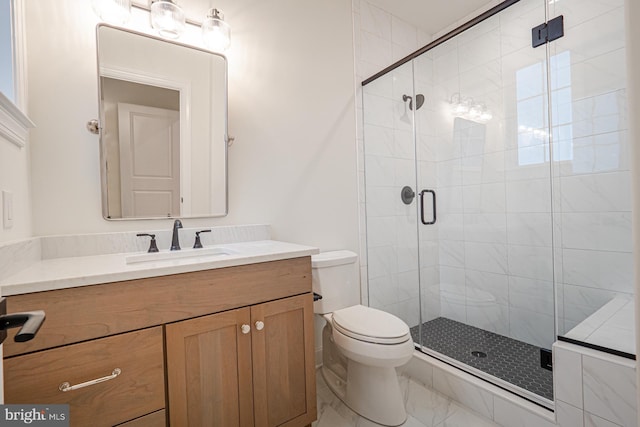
pixel 362 346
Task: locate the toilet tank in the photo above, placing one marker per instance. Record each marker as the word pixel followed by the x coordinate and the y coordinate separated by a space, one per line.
pixel 335 277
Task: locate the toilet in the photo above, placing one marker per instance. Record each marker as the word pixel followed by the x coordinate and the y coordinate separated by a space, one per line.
pixel 361 346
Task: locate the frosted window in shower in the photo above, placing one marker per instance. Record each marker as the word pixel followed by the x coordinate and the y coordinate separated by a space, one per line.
pixel 533 134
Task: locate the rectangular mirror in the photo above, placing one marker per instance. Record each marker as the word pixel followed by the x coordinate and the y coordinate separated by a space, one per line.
pixel 163 127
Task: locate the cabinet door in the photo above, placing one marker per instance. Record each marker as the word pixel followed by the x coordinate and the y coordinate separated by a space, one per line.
pixel 209 371
pixel 283 362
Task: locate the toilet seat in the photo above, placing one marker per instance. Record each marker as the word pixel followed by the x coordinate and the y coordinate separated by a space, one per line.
pixel 370 325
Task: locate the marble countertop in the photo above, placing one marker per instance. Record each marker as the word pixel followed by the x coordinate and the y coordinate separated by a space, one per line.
pixel 60 273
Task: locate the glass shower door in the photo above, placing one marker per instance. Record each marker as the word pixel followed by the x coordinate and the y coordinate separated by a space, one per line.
pixel 390 176
pixel 592 195
pixel 482 146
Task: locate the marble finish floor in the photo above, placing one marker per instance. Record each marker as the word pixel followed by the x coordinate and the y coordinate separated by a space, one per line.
pixel 425 408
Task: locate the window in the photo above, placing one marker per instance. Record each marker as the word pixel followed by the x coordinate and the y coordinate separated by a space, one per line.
pixel 532 105
pixel 7 86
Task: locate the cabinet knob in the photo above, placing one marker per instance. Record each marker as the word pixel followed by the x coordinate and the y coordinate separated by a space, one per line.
pixel 259 325
pixel 245 329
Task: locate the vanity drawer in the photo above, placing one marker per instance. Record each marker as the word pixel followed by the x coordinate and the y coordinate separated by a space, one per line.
pixel 136 391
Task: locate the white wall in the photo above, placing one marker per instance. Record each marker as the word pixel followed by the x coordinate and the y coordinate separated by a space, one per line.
pixel 291 107
pixel 14 177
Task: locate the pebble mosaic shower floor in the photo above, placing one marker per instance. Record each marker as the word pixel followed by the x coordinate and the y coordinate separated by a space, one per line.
pixel 508 359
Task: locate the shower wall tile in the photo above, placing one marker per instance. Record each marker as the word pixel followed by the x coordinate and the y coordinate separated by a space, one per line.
pixel 376 50
pixel 380 140
pixel 450 199
pixel 610 390
pixel 452 253
pixel 483 169
pixel 468 394
pixel 567 376
pixel 488 257
pixel 611 271
pixel 379 110
pixel 375 20
pixel 531 294
pixel 608 231
pixel 528 196
pixel 591 420
pixel 491 288
pixel 592 193
pixel 532 229
pixel 488 316
pixel 382 261
pixel 531 327
pixel 451 226
pixel 568 415
pixel 485 227
pixel 484 198
pixel 533 262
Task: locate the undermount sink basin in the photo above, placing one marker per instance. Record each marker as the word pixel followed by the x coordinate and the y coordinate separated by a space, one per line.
pixel 184 253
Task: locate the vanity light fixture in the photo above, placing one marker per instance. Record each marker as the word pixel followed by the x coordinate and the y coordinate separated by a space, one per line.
pixel 216 33
pixel 167 18
pixel 112 11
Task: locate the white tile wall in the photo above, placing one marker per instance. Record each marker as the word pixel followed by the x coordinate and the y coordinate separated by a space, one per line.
pixel 494 211
pixel 599 385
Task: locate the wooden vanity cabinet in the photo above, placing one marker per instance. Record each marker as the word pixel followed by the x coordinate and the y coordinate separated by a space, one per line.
pixel 245 367
pixel 194 367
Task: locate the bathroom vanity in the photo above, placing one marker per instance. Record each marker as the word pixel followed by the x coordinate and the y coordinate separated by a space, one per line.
pixel 229 343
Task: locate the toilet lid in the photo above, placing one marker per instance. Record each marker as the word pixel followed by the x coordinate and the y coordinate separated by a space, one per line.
pixel 370 325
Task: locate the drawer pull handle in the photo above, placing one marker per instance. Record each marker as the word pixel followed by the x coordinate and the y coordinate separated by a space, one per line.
pixel 245 329
pixel 64 387
pixel 259 325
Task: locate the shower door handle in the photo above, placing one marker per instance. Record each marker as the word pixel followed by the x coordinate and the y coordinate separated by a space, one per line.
pixel 433 202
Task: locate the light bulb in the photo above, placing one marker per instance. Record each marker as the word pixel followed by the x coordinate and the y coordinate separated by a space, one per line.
pixel 167 18
pixel 216 33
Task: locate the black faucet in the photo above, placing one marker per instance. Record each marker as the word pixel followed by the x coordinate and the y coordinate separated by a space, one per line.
pixel 175 242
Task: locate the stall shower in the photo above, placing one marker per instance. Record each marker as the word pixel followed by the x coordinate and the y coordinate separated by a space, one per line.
pixel 516 157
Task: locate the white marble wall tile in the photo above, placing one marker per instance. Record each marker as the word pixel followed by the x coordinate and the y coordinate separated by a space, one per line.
pixel 450 173
pixel 108 243
pixel 375 20
pixel 509 414
pixel 581 301
pixel 380 140
pixel 532 262
pixel 485 227
pixel 568 416
pixel 381 231
pixel 533 229
pixel 487 257
pixel 484 198
pixel 427 406
pixel 383 291
pixel 488 316
pixel 382 261
pixel 609 390
pixel 376 51
pixel 378 110
pixel 603 192
pixel 452 253
pixel 530 327
pixel 604 270
pixel 484 286
pixel 591 420
pixel 483 169
pixel 531 294
pixel 567 375
pixel 529 196
pixel 382 201
pixel 451 226
pixel 449 199
pixel 603 231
